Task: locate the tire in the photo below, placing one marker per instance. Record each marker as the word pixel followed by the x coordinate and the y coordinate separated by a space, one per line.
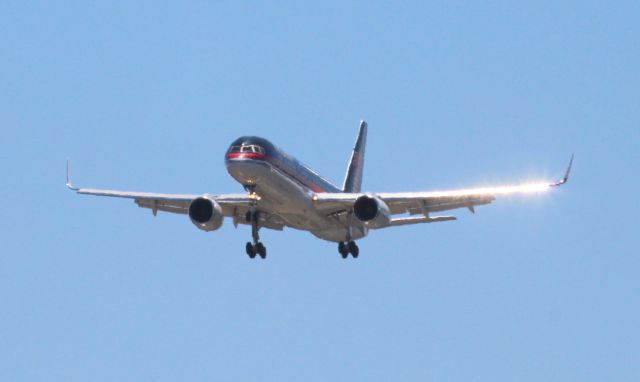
pixel 261 250
pixel 251 251
pixel 343 249
pixel 354 250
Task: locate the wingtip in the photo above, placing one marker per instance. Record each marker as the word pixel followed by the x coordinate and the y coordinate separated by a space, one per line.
pixel 565 179
pixel 69 184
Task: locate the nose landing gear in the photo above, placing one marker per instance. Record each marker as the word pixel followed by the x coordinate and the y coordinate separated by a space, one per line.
pixel 255 248
pixel 253 217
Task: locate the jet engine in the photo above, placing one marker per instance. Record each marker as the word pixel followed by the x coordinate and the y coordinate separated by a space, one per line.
pixel 206 213
pixel 371 210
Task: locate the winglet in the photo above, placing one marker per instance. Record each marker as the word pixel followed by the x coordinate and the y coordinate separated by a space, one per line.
pixel 565 179
pixel 69 184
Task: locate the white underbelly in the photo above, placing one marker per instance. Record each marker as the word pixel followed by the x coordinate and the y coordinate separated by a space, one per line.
pixel 280 194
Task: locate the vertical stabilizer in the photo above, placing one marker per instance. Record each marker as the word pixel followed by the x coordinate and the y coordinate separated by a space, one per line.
pixel 353 179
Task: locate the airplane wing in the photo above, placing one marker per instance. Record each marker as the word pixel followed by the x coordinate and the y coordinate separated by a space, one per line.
pixel 233 205
pixel 175 203
pixel 425 203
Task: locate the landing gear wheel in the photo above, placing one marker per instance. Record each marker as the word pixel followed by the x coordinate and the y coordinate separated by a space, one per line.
pixel 343 249
pixel 353 249
pixel 251 251
pixel 261 250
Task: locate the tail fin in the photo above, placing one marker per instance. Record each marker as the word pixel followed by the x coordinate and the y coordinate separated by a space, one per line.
pixel 353 179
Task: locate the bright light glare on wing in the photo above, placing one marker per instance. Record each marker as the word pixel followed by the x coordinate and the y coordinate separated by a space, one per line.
pixel 527 188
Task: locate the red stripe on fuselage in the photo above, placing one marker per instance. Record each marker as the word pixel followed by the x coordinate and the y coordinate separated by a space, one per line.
pixel 245 156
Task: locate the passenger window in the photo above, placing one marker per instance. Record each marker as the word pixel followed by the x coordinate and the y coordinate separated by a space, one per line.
pixel 246 149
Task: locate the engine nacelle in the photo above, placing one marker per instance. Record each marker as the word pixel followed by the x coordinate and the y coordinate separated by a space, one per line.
pixel 206 213
pixel 371 210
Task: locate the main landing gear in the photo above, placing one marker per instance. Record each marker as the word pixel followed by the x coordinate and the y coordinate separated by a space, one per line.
pixel 256 249
pixel 349 247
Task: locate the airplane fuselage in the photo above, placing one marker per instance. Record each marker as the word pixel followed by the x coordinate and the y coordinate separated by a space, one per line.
pixel 285 185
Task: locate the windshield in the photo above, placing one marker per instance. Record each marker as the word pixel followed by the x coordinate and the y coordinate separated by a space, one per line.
pixel 246 149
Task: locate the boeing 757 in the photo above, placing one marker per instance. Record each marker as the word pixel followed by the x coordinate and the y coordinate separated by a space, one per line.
pixel 282 192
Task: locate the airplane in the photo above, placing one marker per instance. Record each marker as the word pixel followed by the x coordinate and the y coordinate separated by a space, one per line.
pixel 281 191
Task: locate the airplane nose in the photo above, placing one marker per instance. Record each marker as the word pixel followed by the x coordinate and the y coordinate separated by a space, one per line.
pixel 246 173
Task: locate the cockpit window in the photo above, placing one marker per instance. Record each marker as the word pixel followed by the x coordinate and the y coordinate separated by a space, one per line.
pixel 246 149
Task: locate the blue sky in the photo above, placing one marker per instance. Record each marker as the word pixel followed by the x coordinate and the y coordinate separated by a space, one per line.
pixel 147 96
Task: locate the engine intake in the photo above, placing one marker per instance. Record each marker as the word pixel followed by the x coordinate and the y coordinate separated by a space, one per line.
pixel 371 210
pixel 206 213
